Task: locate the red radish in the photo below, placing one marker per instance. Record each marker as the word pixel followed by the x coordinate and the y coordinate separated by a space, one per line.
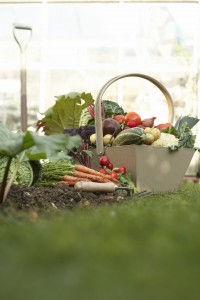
pixel 110 166
pixel 131 123
pixel 114 175
pixel 104 161
pixel 121 169
pixel 102 171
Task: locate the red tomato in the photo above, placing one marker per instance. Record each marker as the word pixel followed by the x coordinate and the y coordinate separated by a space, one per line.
pixel 164 126
pixel 110 166
pixel 134 117
pixel 121 169
pixel 131 124
pixel 104 161
pixel 119 118
pixel 102 171
pixel 113 174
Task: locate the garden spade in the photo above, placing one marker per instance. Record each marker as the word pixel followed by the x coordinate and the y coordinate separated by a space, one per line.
pixel 22 35
pixel 108 187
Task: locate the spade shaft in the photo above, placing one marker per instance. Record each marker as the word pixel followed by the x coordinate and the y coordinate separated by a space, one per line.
pixel 23 41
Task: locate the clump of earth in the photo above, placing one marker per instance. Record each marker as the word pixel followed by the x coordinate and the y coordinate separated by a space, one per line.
pixel 58 197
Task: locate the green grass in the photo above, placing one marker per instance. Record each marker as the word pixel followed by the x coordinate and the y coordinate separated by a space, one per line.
pixel 143 249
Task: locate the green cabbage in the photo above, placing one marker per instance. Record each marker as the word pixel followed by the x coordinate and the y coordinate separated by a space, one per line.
pixel 86 118
pixel 24 174
pixel 111 109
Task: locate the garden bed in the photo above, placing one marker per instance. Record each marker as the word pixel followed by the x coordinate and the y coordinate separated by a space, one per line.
pixel 58 197
pixel 64 197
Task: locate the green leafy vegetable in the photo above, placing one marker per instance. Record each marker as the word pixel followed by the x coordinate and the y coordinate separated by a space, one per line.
pixel 65 113
pixel 10 143
pixel 191 122
pixel 171 130
pixel 21 147
pixel 186 137
pixel 24 174
pixel 183 131
pixel 86 118
pixel 184 127
pixel 53 147
pixel 126 180
pixel 109 108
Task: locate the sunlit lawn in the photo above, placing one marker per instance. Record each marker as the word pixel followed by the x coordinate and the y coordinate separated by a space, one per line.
pixel 147 248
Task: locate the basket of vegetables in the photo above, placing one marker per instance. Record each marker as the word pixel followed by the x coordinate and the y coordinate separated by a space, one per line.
pixel 156 156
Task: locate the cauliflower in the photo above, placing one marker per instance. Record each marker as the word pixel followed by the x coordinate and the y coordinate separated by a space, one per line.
pixel 165 140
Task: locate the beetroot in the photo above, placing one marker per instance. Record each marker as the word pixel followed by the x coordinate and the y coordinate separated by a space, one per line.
pixel 111 126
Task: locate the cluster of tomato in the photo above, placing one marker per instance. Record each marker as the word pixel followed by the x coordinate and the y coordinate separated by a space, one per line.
pixel 131 119
pixel 108 168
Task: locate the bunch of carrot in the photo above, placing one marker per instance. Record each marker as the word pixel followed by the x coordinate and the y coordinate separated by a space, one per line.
pixel 63 172
pixel 82 173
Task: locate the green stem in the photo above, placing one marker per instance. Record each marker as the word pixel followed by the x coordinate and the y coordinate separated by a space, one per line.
pixel 10 182
pixel 4 182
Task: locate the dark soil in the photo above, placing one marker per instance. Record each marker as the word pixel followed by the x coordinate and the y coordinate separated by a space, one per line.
pixel 58 197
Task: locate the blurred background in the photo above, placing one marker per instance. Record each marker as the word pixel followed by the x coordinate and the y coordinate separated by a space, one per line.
pixel 80 45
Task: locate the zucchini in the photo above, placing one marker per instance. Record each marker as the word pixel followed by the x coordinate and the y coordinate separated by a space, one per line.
pixel 135 135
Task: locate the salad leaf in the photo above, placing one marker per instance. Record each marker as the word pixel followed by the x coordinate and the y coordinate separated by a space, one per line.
pixel 186 137
pixel 191 122
pixel 65 113
pixel 183 131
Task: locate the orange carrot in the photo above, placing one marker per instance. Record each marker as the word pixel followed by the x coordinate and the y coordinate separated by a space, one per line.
pixel 91 177
pixel 74 179
pixel 87 170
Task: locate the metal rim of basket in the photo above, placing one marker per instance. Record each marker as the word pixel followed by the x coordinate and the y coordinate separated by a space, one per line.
pixel 98 116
